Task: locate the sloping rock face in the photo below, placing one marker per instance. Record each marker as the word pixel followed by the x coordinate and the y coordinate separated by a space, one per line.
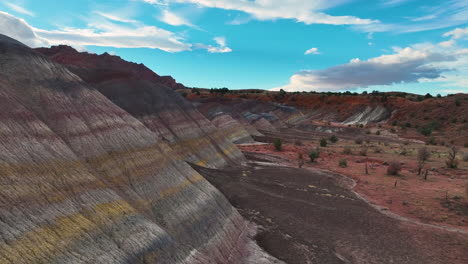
pixel 253 115
pixel 145 95
pixel 369 115
pixel 83 181
pixel 235 130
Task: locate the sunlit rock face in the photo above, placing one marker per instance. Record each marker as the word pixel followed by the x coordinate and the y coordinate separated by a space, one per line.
pixel 146 96
pixel 82 180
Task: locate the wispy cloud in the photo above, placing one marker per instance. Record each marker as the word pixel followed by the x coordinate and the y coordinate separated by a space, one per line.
pixel 221 48
pixel 305 11
pixel 104 32
pixel 312 51
pixel 173 19
pixel 20 9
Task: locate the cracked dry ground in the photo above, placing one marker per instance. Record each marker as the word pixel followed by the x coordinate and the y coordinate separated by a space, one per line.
pixel 306 216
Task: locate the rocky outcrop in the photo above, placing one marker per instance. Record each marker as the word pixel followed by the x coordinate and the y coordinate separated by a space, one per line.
pixel 84 181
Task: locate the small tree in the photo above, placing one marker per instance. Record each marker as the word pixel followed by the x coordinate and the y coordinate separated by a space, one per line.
pixel 452 161
pixel 333 139
pixel 314 154
pixel 323 142
pixel 278 144
pixel 300 161
pixel 423 156
pixel 393 168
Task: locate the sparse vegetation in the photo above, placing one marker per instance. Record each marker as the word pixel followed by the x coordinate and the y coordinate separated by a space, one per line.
pixel 300 160
pixel 431 141
pixel 347 150
pixel 465 156
pixel 452 161
pixel 278 143
pixel 377 132
pixel 343 163
pixel 423 156
pixel 314 154
pixel 333 139
pixel 363 151
pixel 394 168
pixel 323 142
pixel 298 142
pixel 359 140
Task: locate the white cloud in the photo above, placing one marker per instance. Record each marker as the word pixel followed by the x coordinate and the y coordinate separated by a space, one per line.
pixel 422 62
pixel 457 33
pixel 222 46
pixel 20 9
pixel 312 51
pixel 173 19
pixel 18 29
pixel 98 33
pixel 404 66
pixel 305 11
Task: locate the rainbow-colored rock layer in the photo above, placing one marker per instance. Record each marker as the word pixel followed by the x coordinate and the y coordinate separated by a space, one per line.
pixel 84 181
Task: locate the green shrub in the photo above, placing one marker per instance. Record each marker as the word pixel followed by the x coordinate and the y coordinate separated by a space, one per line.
pixel 377 133
pixel 314 154
pixel 278 144
pixel 343 163
pixel 359 140
pixel 333 139
pixel 323 142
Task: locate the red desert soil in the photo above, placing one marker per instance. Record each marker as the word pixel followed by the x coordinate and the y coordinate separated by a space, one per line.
pixel 310 216
pixel 440 200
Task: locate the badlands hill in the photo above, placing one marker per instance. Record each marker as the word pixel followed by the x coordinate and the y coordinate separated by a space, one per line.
pixel 434 119
pixel 93 166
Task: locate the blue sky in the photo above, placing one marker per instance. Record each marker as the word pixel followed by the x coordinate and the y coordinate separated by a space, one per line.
pixel 394 45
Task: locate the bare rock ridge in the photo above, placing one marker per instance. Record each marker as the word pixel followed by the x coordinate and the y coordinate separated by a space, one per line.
pixel 87 177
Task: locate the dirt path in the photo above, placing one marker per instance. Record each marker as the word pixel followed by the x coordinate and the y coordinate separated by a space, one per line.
pixel 310 217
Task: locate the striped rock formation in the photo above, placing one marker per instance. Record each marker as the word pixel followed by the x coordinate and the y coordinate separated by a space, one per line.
pixel 143 94
pixel 253 115
pixel 84 181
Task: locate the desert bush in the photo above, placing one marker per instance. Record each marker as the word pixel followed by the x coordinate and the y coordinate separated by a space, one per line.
pixel 300 160
pixel 278 144
pixel 431 141
pixel 333 139
pixel 394 168
pixel 359 140
pixel 298 142
pixel 368 132
pixel 466 145
pixel 377 132
pixel 323 142
pixel 347 150
pixel 392 130
pixel 452 161
pixel 377 149
pixel 363 151
pixel 465 156
pixel 423 154
pixel 314 154
pixel 343 163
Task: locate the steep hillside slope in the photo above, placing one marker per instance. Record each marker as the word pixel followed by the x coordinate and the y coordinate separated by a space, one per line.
pixel 83 181
pixel 146 96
